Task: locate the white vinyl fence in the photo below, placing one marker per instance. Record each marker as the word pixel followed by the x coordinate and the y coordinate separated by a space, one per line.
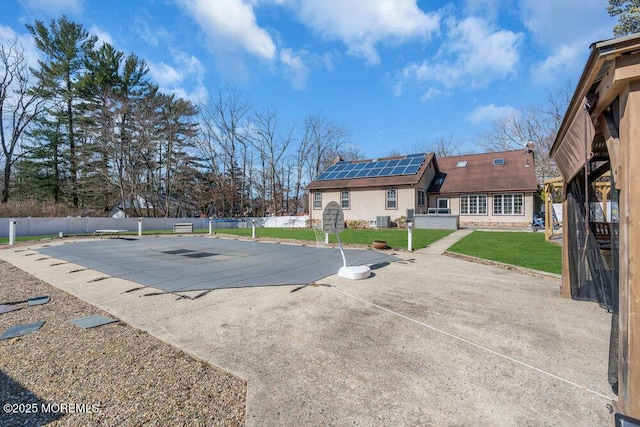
pixel 75 225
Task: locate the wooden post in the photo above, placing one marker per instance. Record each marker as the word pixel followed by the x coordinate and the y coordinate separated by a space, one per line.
pixel 566 271
pixel 629 348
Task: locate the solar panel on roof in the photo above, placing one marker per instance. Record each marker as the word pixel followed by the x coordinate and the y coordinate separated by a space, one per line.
pixel 411 170
pixel 386 171
pixel 409 165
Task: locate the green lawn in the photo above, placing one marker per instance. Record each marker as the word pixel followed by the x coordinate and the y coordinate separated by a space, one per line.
pixel 5 240
pixel 528 250
pixel 396 238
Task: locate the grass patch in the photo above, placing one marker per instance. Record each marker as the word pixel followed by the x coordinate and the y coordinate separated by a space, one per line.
pixel 5 240
pixel 396 238
pixel 528 250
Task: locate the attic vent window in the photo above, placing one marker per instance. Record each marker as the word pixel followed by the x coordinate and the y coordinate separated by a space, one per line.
pixel 462 164
pixel 498 161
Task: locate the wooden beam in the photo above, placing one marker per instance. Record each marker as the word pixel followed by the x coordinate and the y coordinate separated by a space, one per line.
pixel 622 70
pixel 629 346
pixel 613 146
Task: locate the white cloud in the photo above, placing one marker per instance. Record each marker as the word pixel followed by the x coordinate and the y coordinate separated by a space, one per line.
pixel 231 24
pixel 565 29
pixel 490 113
pixel 489 9
pixel 362 24
pixel 55 7
pixel 473 55
pixel 187 71
pixel 155 36
pixel 565 22
pixel 199 95
pixel 103 36
pixel 295 67
pixel 562 62
pixel 163 74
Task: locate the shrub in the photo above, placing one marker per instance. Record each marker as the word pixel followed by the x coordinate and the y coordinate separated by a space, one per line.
pixel 357 224
pixel 33 208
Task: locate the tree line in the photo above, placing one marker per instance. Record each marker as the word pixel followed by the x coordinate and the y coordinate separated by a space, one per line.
pixel 87 127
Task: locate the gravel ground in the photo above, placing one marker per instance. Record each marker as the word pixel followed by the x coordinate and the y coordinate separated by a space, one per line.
pixel 109 375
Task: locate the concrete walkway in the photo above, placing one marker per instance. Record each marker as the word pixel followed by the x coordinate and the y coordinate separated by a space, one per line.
pixel 440 246
pixel 428 340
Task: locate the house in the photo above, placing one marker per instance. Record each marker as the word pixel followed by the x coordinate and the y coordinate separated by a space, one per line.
pixel 486 189
pixel 483 189
pixel 368 190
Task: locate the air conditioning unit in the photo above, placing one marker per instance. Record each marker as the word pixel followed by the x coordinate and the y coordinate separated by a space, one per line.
pixel 383 221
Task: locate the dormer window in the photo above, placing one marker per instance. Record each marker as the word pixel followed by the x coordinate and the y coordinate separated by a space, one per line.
pixel 462 164
pixel 498 161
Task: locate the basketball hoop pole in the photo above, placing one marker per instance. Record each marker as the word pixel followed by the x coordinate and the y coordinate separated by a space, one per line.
pixel 334 220
pixel 344 259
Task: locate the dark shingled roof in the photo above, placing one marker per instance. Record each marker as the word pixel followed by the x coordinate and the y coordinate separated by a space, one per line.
pixel 481 175
pixel 382 181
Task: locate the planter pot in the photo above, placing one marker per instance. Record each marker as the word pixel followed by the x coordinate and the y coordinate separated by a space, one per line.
pixel 379 244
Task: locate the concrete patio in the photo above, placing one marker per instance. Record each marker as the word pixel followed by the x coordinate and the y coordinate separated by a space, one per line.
pixel 428 340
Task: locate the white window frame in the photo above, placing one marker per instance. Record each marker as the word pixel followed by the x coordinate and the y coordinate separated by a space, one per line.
pixel 346 205
pixel 508 204
pixel 473 204
pixel 391 202
pixel 317 200
pixel 442 199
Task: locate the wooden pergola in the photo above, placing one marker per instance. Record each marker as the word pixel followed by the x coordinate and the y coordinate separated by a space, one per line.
pixel 601 132
pixel 554 185
pixel 551 187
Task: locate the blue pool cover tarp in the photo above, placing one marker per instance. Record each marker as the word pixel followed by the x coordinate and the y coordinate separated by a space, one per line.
pixel 191 263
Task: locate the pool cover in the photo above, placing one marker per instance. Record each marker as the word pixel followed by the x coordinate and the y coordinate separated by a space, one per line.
pixel 176 264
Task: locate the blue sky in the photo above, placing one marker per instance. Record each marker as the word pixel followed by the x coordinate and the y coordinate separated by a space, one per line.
pixel 397 74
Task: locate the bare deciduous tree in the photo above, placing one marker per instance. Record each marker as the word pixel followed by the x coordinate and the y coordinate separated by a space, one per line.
pixel 19 105
pixel 324 139
pixel 537 124
pixel 272 146
pixel 224 131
